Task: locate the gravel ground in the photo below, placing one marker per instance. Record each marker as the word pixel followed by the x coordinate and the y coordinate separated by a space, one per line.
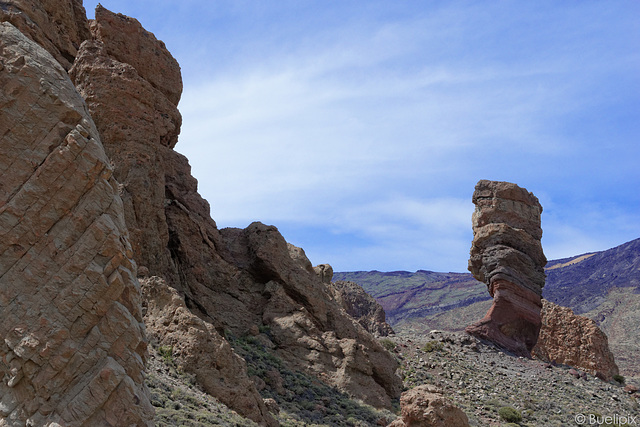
pixel 481 380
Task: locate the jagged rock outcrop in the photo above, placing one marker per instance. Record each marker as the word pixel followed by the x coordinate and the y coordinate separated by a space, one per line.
pixel 361 306
pixel 72 344
pixel 507 255
pixel 426 406
pixel 324 272
pixel 59 26
pixel 199 350
pixel 233 279
pixel 573 340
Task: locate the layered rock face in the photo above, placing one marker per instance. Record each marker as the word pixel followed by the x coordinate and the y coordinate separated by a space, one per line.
pixel 573 340
pixel 426 406
pixel 507 255
pixel 232 279
pixel 72 344
pixel 361 306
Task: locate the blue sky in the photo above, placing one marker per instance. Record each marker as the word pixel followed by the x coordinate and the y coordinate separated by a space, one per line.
pixel 360 128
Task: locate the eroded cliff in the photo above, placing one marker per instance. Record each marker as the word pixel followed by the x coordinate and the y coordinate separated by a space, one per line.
pixel 73 346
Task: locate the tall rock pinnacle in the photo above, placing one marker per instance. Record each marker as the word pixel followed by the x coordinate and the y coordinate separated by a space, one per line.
pixel 507 255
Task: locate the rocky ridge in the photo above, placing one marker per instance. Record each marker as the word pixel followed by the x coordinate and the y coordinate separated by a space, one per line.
pixel 204 281
pixel 73 346
pixel 233 279
pixel 507 255
pixel 361 306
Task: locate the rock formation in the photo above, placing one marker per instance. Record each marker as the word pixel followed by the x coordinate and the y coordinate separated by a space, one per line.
pixel 506 254
pixel 324 272
pixel 200 350
pixel 426 406
pixel 232 279
pixel 361 306
pixel 72 345
pixel 573 340
pixel 59 26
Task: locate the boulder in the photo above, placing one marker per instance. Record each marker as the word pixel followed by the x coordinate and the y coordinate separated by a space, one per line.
pixel 507 255
pixel 72 342
pixel 426 406
pixel 324 272
pixel 568 339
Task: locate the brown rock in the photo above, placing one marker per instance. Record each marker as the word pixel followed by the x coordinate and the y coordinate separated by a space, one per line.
pixel 573 340
pixel 200 350
pixel 362 307
pixel 59 26
pixel 230 278
pixel 73 345
pixel 507 255
pixel 324 272
pixel 631 389
pixel 426 406
pixel 127 42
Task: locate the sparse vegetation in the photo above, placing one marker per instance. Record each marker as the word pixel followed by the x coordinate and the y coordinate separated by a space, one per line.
pixel 388 344
pixel 619 379
pixel 510 414
pixel 433 346
pixel 302 398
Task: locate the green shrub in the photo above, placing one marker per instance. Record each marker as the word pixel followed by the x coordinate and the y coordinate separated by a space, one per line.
pixel 432 346
pixel 388 344
pixel 166 352
pixel 619 378
pixel 510 414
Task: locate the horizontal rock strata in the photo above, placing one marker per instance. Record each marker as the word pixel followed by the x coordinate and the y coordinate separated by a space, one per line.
pixel 507 255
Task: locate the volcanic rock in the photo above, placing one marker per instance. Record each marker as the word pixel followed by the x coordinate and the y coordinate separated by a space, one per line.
pixel 507 255
pixel 73 346
pixel 59 26
pixel 361 306
pixel 199 350
pixel 426 406
pixel 568 339
pixel 234 279
pixel 324 272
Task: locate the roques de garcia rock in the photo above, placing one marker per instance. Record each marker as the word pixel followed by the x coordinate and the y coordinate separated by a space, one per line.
pixel 234 280
pixel 507 255
pixel 72 342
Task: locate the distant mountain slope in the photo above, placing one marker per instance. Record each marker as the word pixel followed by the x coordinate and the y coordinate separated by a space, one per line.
pixel 583 282
pixel 405 296
pixel 604 286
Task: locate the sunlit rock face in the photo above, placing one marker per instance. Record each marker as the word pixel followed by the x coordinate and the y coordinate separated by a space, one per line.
pixel 573 340
pixel 234 280
pixel 72 342
pixel 507 255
